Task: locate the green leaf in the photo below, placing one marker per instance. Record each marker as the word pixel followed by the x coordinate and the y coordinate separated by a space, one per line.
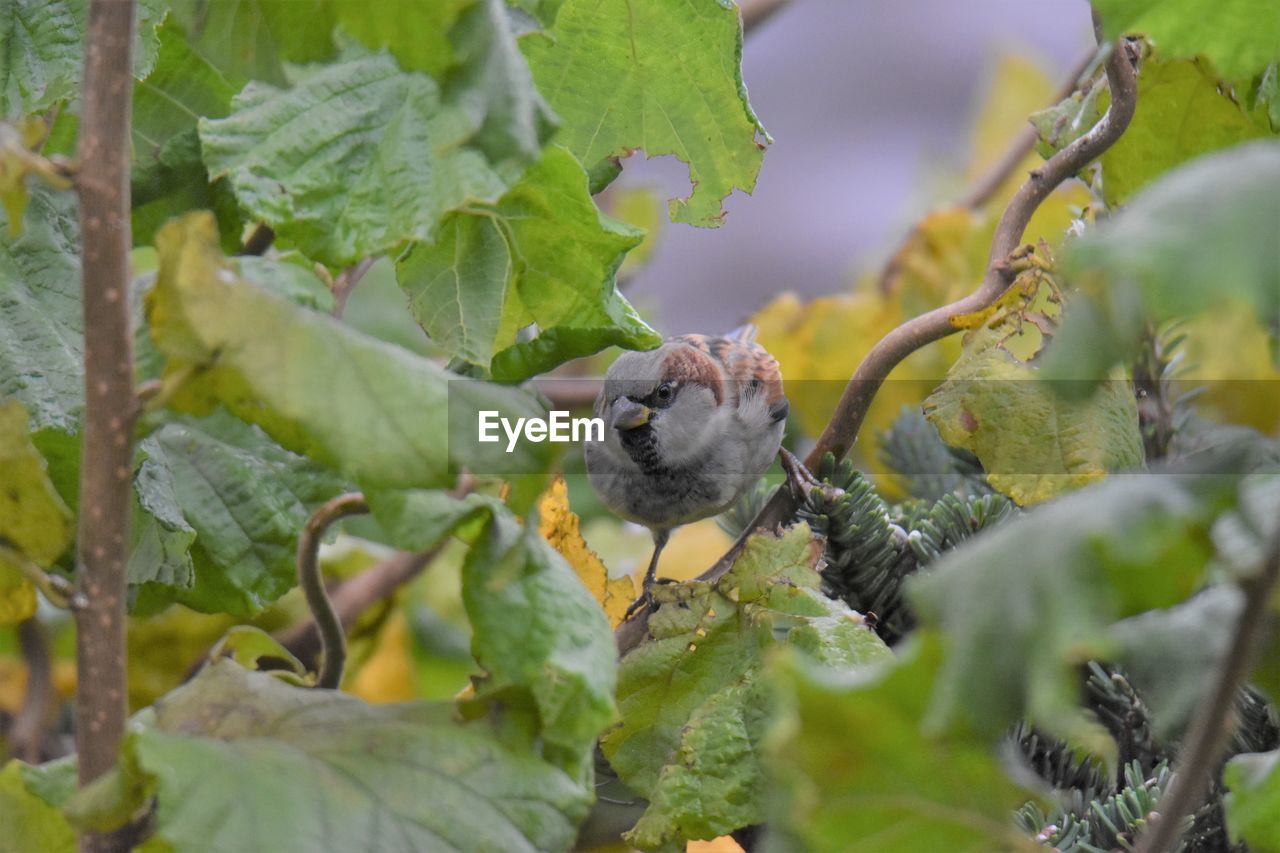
pixel 30 823
pixel 43 56
pixel 542 254
pixel 35 525
pixel 854 771
pixel 416 34
pixel 1252 801
pixel 1023 604
pixel 1183 111
pixel 358 157
pixel 693 697
pixel 285 369
pixel 1200 235
pixel 243 499
pixel 254 39
pixel 1032 442
pixel 1240 36
pixel 536 627
pixel 41 337
pixel 169 176
pixel 494 88
pixel 662 76
pixel 1171 655
pixel 242 761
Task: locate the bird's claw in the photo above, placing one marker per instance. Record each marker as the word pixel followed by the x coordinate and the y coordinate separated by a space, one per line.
pixel 800 480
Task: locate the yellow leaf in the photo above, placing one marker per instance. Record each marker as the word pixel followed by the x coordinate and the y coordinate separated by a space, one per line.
pixel 1229 353
pixel 562 528
pixel 34 522
pixel 388 674
pixel 1017 88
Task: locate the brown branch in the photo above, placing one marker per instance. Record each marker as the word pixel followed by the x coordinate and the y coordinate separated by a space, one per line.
pixel 1212 725
pixel 354 597
pixel 346 282
pixel 26 735
pixel 756 12
pixel 333 640
pixel 842 430
pixel 259 240
pixel 106 463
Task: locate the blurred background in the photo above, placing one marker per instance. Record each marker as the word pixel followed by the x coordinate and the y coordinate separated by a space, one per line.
pixel 871 106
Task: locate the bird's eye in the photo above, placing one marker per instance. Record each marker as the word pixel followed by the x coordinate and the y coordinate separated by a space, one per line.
pixel 666 391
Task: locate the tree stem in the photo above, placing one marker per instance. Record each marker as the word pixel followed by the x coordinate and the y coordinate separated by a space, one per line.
pixel 106 467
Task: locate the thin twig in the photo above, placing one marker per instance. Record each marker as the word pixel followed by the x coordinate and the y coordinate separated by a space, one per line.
pixel 1212 725
pixel 989 182
pixel 26 735
pixel 354 597
pixel 346 282
pixel 756 13
pixel 842 430
pixel 259 240
pixel 333 640
pixel 60 592
pixel 106 461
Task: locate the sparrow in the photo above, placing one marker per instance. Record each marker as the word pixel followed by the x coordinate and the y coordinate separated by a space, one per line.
pixel 690 427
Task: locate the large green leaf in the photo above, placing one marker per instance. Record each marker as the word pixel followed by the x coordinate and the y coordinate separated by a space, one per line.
pixel 242 761
pixel 1202 234
pixel 371 410
pixel 1032 442
pixel 29 822
pixel 254 39
pixel 34 522
pixel 169 176
pixel 356 158
pixel 536 627
pixel 43 54
pixel 662 76
pixel 1024 604
pixel 416 34
pixel 1183 111
pixel 1240 36
pixel 1253 800
pixel 43 51
pixel 244 501
pixel 41 337
pixel 693 696
pixel 854 770
pixel 542 254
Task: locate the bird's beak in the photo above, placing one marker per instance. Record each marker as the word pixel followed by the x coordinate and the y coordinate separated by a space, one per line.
pixel 628 414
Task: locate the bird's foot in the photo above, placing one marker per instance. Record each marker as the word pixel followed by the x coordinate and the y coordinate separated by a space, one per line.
pixel 800 480
pixel 646 599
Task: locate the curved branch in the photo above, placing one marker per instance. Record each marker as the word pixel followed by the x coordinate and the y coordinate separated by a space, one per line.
pixel 842 429
pixel 1211 728
pixel 333 641
pixel 354 597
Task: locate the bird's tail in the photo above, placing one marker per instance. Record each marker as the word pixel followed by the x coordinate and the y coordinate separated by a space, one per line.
pixel 745 334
